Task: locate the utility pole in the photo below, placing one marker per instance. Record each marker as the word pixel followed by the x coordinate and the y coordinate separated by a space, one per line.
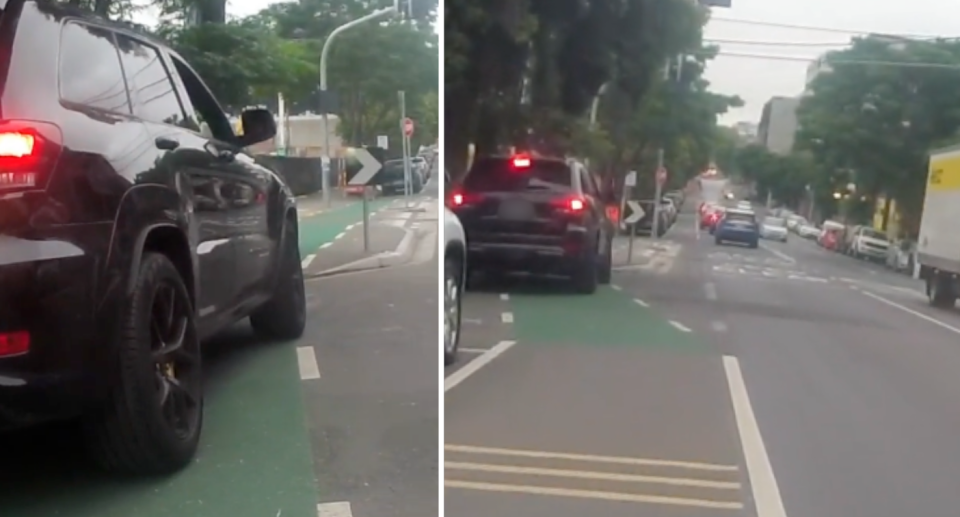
pixel 655 228
pixel 324 53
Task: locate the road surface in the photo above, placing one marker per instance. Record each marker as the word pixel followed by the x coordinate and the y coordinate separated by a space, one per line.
pixel 342 422
pixel 707 381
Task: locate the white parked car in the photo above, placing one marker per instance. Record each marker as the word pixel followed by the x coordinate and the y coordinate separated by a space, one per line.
pixel 454 280
pixel 808 231
pixel 774 228
pixel 868 243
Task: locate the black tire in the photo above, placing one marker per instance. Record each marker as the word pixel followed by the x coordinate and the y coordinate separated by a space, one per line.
pixel 940 293
pixel 284 316
pixel 605 272
pixel 130 434
pixel 452 272
pixel 585 274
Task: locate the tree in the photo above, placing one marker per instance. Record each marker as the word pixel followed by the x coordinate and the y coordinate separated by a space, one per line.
pixel 872 124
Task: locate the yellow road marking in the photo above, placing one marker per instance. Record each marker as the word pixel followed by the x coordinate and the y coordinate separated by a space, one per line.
pixel 583 474
pixel 520 453
pixel 594 494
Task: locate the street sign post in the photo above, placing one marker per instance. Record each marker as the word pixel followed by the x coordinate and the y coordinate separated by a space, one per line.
pixel 370 166
pixel 407 127
pixel 661 178
pixel 383 142
pixel 636 213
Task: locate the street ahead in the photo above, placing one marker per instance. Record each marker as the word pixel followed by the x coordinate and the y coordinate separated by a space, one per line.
pixel 708 380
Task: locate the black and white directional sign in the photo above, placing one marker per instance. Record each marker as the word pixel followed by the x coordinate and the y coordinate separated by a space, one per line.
pixel 370 167
pixel 636 212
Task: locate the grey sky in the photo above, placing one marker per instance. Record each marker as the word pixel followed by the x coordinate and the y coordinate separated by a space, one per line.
pixel 756 80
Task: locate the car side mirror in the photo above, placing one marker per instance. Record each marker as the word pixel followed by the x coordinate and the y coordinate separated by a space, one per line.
pixel 258 126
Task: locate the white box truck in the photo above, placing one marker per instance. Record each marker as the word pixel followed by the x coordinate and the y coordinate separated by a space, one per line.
pixel 938 248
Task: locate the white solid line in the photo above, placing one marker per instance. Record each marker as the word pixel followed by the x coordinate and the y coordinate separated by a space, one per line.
pixel 473 366
pixel 506 317
pixel 307 363
pixel 472 350
pixel 337 509
pixel 763 483
pixel 307 260
pixel 339 236
pixel 779 253
pixel 680 326
pixel 719 326
pixel 908 310
pixel 710 291
pixel 504 296
pixel 640 302
pixel 326 245
pixel 615 287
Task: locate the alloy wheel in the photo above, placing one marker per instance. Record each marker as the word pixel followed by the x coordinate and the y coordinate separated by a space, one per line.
pixel 176 359
pixel 451 314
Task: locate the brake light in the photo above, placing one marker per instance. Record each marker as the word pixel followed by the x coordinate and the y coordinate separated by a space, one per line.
pixel 521 162
pixel 457 199
pixel 14 343
pixel 28 153
pixel 463 199
pixel 576 205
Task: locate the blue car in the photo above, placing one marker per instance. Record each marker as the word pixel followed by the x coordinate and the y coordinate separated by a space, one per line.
pixel 738 226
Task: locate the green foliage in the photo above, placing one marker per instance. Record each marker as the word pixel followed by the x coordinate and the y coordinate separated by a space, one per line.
pixel 873 124
pixel 784 177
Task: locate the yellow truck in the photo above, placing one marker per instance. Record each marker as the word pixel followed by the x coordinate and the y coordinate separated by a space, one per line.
pixel 938 248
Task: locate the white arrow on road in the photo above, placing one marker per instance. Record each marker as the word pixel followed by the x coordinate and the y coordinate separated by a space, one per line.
pixel 636 214
pixel 369 167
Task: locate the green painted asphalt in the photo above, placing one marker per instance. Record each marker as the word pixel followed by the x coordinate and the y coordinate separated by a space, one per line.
pixel 607 318
pixel 319 229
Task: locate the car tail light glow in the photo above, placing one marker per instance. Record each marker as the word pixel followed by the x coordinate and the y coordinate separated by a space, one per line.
pixel 457 199
pixel 521 161
pixel 28 153
pixel 14 343
pixel 576 205
pixel 463 199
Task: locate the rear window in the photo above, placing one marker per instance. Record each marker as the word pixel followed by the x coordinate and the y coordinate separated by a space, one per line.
pixel 737 216
pixel 498 175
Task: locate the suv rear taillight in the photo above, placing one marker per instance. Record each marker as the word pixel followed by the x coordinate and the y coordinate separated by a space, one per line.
pixel 28 153
pixel 463 199
pixel 571 205
pixel 14 343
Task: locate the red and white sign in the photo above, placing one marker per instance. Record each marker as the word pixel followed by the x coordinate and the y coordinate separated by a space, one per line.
pixel 407 126
pixel 661 175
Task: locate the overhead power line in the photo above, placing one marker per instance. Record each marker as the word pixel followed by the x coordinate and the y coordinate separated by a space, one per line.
pixel 778 43
pixel 834 30
pixel 832 62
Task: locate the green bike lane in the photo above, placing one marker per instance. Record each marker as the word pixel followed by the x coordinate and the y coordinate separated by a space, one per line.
pixel 591 405
pixel 254 458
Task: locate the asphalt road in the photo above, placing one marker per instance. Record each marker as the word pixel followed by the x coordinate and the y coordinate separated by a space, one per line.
pixel 342 422
pixel 826 383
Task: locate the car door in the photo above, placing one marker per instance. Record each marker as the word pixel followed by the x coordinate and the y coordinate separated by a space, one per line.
pixel 246 187
pixel 201 175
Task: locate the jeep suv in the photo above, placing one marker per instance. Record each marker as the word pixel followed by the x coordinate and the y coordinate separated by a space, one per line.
pixel 132 227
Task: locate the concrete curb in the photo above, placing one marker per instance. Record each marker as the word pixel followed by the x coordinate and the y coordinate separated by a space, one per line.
pixel 400 255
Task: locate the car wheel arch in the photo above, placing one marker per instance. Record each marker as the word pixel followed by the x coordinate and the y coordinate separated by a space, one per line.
pixel 457 250
pixel 170 240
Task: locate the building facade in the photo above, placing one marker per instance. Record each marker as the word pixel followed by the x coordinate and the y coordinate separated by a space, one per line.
pixel 778 124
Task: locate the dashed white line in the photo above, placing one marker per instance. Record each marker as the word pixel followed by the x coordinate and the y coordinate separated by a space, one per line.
pixel 307 260
pixel 763 483
pixel 710 291
pixel 326 245
pixel 307 363
pixel 718 326
pixel 615 287
pixel 337 509
pixel 779 253
pixel 640 302
pixel 472 350
pixel 680 326
pixel 506 317
pixel 351 226
pixel 504 296
pixel 473 366
pixel 339 236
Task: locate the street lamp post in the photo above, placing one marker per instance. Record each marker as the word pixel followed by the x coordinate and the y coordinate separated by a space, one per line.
pixel 323 86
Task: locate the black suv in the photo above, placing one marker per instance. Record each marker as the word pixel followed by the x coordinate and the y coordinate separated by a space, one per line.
pixel 132 226
pixel 535 215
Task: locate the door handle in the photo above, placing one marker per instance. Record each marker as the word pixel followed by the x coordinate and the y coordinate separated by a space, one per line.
pixel 166 143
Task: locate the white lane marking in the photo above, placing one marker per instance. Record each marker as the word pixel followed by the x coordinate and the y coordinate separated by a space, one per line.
pixel 763 483
pixel 710 291
pixel 615 287
pixel 326 245
pixel 472 350
pixel 718 326
pixel 506 317
pixel 337 509
pixel 307 260
pixel 307 363
pixel 473 366
pixel 339 236
pixel 504 296
pixel 908 310
pixel 640 302
pixel 351 226
pixel 680 326
pixel 779 253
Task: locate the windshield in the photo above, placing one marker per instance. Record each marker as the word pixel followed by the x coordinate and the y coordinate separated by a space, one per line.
pixel 499 175
pixel 873 234
pixel 740 217
pixel 774 221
